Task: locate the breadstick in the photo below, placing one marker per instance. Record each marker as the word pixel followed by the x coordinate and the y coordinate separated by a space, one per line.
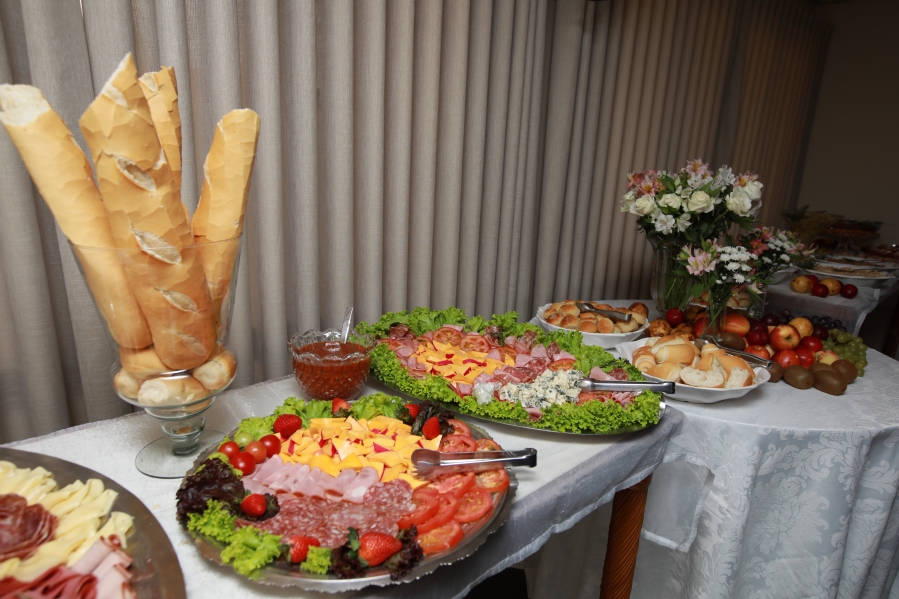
pixel 148 218
pixel 63 176
pixel 161 91
pixel 223 201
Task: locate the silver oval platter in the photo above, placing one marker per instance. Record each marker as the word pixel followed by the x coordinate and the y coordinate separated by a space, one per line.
pixel 280 574
pixel 157 574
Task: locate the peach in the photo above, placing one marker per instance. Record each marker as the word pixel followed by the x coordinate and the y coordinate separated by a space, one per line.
pixel 801 284
pixel 804 326
pixel 833 286
pixel 736 323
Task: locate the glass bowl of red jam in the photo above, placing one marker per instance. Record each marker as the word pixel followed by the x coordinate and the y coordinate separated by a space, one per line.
pixel 326 367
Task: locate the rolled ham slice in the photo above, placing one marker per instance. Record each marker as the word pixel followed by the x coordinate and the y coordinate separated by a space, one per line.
pixel 598 374
pixel 465 389
pixel 539 351
pixel 335 487
pixel 522 360
pixel 494 354
pixel 310 485
pixel 355 491
pixel 563 355
pixel 94 556
pixel 253 487
pixel 404 351
pixel 266 469
pixel 115 584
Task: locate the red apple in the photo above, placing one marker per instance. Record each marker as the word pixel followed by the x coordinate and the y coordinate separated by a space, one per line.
pixel 815 280
pixel 811 342
pixel 674 316
pixel 770 320
pixel 759 351
pixel 756 337
pixel 786 358
pixel 806 356
pixel 758 326
pixel 785 336
pixel 736 323
pixel 700 325
pixel 820 290
pixel 849 291
pixel 827 356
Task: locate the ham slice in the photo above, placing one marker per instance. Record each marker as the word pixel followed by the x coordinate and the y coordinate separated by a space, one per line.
pixel 404 351
pixel 494 354
pixel 465 389
pixel 563 355
pixel 253 487
pixel 310 484
pixel 455 327
pixel 522 360
pixel 538 351
pixel 94 556
pixel 115 584
pixel 481 378
pixel 266 469
pixel 334 487
pixel 598 374
pixel 110 562
pixel 277 479
pixel 355 491
pixel 56 582
pixel 534 414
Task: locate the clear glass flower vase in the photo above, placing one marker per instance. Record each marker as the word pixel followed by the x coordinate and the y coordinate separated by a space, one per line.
pixel 671 285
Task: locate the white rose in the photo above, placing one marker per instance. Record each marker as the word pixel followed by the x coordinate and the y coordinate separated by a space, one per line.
pixel 670 200
pixel 738 202
pixel 754 190
pixel 627 201
pixel 700 201
pixel 643 206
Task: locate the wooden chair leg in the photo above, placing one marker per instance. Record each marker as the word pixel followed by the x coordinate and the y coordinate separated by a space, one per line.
pixel 624 540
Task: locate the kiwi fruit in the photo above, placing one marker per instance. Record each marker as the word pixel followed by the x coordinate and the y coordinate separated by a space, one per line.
pixel 819 366
pixel 799 377
pixel 776 372
pixel 846 369
pixel 733 341
pixel 830 382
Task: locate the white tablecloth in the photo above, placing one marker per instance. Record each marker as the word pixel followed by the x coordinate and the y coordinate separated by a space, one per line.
pixel 574 476
pixel 851 312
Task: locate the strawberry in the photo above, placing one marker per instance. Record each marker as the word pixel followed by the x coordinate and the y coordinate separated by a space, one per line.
pixel 339 405
pixel 253 505
pixel 414 409
pixel 299 547
pixel 376 547
pixel 431 428
pixel 287 424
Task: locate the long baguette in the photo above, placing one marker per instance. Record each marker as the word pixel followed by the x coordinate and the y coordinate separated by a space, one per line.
pixel 223 201
pixel 148 218
pixel 63 176
pixel 161 91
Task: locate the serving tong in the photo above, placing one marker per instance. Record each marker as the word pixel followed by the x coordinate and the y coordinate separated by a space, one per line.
pixel 594 385
pixel 430 463
pixel 610 314
pixel 735 352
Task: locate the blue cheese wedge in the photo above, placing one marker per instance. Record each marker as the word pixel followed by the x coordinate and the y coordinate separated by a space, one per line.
pixel 549 388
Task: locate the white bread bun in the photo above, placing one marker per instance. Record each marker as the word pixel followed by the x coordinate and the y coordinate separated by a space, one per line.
pixel 682 354
pixel 570 322
pixel 628 327
pixel 126 384
pixel 651 341
pixel 711 348
pixel 217 372
pixel 738 378
pixel 553 317
pixel 604 325
pixel 666 372
pixel 711 379
pixel 730 363
pixel 587 326
pixel 171 391
pixel 669 340
pixel 644 363
pixel 569 310
pixel 641 309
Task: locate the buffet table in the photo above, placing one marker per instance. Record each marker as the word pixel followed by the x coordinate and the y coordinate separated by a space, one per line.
pixel 574 476
pixel 852 312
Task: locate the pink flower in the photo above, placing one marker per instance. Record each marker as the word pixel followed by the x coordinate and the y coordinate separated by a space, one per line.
pixel 697 167
pixel 701 262
pixel 634 180
pixel 647 187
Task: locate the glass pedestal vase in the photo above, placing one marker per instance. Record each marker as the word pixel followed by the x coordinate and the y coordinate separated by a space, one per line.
pixel 671 284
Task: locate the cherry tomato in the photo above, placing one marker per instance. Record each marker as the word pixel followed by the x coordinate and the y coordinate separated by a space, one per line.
pixel 492 481
pixel 427 503
pixel 563 364
pixel 243 438
pixel 448 335
pixel 455 484
pixel 257 450
pixel 459 427
pixel 440 539
pixel 272 445
pixel 488 445
pixel 473 505
pixel 457 443
pixel 229 448
pixel 447 506
pixel 475 343
pixel 674 316
pixel 244 462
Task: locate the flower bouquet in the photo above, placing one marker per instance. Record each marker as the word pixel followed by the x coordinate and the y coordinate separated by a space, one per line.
pixel 775 249
pixel 720 272
pixel 676 209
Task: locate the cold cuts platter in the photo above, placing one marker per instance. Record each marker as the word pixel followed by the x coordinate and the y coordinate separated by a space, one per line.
pixel 317 503
pixel 154 566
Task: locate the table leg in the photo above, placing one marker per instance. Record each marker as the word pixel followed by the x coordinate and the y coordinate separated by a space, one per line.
pixel 624 540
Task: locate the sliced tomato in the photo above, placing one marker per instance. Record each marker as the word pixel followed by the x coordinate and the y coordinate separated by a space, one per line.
pixel 455 484
pixel 473 504
pixel 564 364
pixel 459 427
pixel 448 335
pixel 447 506
pixel 475 343
pixel 505 350
pixel 427 504
pixel 488 445
pixel 492 481
pixel 440 539
pixel 457 443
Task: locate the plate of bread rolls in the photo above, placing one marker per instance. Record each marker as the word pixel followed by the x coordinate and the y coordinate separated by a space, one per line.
pixel 708 375
pixel 597 329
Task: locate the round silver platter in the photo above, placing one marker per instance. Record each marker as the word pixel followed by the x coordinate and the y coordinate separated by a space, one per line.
pixel 157 574
pixel 281 574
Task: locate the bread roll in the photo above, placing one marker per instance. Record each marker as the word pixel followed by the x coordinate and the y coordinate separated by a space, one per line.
pixel 126 384
pixel 587 326
pixel 569 310
pixel 553 318
pixel 223 201
pixel 674 354
pixel 738 378
pixel 702 378
pixel 641 320
pixel 165 391
pixel 570 322
pixel 217 372
pixel 645 362
pixel 651 341
pixel 63 177
pixel 711 348
pixel 149 221
pixel 669 339
pixel 161 91
pixel 628 327
pixel 666 372
pixel 142 363
pixel 732 363
pixel 604 325
pixel 589 316
pixel 640 308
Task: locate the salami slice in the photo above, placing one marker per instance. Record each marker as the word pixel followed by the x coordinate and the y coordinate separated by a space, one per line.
pixel 296 515
pixel 23 527
pixel 394 497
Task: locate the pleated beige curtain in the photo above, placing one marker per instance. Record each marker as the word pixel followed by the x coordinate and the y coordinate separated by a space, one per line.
pixel 430 152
